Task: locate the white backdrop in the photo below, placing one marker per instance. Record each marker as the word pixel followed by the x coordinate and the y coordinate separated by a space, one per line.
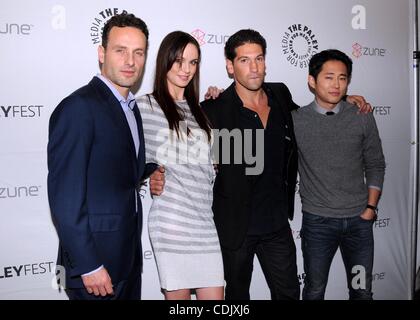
pixel 48 49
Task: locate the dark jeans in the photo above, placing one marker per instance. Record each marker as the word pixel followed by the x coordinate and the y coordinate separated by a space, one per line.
pixel 321 237
pixel 276 253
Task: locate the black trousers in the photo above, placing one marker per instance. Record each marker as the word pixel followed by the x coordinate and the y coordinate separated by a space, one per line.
pixel 276 253
pixel 123 290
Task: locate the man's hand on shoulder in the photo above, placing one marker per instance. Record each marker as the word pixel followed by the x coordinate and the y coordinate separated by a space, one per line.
pixel 360 102
pixel 213 92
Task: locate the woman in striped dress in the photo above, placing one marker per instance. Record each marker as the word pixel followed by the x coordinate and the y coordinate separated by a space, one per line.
pixel 178 136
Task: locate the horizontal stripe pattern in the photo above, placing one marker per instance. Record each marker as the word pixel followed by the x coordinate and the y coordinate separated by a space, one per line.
pixel 180 221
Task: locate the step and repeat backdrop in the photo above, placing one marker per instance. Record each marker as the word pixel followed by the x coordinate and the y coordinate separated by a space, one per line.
pixel 49 48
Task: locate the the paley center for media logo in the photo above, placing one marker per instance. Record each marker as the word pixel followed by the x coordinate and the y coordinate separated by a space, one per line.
pixel 99 21
pixel 299 44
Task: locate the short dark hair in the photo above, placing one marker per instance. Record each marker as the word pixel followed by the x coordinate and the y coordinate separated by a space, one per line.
pixel 123 20
pixel 318 60
pixel 240 38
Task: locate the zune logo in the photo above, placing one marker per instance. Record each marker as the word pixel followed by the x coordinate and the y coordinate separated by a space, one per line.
pixel 15 28
pixel 19 192
pixel 99 21
pixel 202 37
pixel 359 50
pixel 199 36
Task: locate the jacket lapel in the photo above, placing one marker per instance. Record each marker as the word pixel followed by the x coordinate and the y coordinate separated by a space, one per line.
pixel 232 117
pixel 113 107
pixel 141 154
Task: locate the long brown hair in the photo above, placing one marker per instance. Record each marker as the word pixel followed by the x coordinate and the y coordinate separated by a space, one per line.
pixel 171 48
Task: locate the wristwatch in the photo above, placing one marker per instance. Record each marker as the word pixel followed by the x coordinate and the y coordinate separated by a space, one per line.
pixel 375 209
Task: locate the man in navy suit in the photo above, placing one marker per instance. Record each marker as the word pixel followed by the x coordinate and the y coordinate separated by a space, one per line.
pixel 96 159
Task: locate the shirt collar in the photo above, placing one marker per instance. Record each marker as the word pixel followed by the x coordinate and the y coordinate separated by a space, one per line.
pixel 130 98
pixel 322 110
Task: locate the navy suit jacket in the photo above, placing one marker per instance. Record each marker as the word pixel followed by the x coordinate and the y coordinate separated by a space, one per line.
pixel 92 178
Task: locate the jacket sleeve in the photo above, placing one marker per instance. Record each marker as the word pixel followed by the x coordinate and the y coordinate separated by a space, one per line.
pixel 290 103
pixel 69 145
pixel 292 157
pixel 206 105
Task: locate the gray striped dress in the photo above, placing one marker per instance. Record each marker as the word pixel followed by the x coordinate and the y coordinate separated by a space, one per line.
pixel 180 222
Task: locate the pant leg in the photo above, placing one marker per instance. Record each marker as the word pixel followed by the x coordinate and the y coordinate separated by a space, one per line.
pixel 357 248
pixel 320 240
pixel 238 267
pixel 277 256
